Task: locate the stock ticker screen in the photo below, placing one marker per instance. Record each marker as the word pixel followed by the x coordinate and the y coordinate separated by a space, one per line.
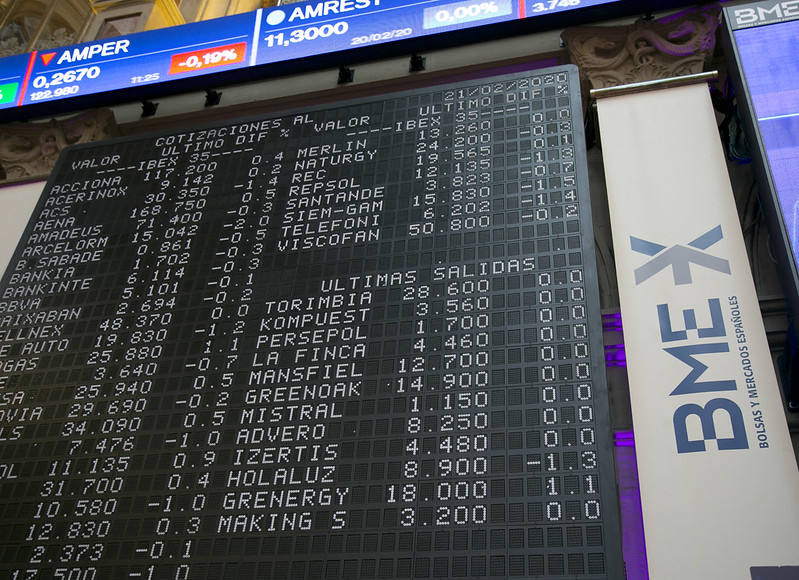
pixel 262 37
pixel 358 341
pixel 770 69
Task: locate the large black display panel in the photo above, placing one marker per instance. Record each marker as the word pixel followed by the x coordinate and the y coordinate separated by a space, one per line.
pixel 342 343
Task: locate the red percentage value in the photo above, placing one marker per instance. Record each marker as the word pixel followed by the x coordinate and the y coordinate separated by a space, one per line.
pixel 208 57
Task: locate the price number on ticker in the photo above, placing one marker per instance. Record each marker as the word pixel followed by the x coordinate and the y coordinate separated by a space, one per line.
pixel 64 77
pixel 309 33
pixel 553 5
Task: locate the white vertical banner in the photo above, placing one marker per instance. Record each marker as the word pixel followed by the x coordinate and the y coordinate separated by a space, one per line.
pixel 719 482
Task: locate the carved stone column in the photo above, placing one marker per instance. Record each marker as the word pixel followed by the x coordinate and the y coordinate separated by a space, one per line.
pixel 645 50
pixel 41 25
pixel 29 150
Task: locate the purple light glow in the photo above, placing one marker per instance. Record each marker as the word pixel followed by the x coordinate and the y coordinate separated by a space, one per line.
pixel 632 519
pixel 612 322
pixel 624 439
pixel 615 356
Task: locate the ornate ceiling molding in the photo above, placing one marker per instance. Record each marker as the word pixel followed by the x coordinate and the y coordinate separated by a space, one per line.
pixel 29 150
pixel 646 50
pixel 39 24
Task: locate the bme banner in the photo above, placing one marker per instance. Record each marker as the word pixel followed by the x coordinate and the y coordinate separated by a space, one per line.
pixel 719 482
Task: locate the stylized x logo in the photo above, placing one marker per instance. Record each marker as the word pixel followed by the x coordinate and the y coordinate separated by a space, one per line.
pixel 679 257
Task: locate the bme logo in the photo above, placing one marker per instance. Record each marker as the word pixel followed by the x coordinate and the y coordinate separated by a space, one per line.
pixel 679 257
pixel 766 12
pixel 699 346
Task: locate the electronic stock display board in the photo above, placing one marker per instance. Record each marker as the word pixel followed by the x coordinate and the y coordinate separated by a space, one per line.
pixel 763 40
pixel 261 37
pixel 768 53
pixel 351 342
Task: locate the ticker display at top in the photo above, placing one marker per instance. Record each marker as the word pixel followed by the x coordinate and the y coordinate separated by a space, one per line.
pixel 267 35
pixel 354 342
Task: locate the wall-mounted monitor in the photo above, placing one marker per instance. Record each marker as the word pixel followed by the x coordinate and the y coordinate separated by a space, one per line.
pixel 763 41
pixel 277 40
pixel 261 37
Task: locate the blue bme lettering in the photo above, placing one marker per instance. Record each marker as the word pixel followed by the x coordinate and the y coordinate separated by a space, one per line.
pixel 706 414
pixel 690 385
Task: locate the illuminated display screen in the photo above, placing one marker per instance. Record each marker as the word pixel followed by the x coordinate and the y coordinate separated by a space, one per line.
pixel 148 57
pixel 763 39
pixel 264 36
pixel 770 62
pixel 352 342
